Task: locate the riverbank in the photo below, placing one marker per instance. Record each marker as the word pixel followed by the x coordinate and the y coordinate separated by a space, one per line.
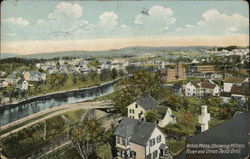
pixel 2 106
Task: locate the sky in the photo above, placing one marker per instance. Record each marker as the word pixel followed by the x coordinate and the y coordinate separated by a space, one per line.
pixel 43 26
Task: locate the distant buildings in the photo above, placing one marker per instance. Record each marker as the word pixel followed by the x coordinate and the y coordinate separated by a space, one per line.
pixel 34 76
pixel 231 81
pixel 176 73
pixel 203 71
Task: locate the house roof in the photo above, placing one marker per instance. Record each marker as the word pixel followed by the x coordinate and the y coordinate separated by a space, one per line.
pixel 162 110
pixel 138 131
pixel 196 84
pixel 241 90
pixel 234 79
pixel 225 94
pixel 208 85
pixel 147 102
pixel 233 131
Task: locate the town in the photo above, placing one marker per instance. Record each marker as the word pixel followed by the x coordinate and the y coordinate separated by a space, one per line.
pixel 154 108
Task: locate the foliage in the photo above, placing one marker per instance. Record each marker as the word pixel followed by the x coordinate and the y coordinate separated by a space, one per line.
pixel 24 141
pixel 176 146
pixel 131 88
pixel 86 136
pixel 105 75
pixel 114 73
pixel 152 116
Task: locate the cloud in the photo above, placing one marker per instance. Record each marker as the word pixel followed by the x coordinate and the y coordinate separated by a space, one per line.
pixel 66 18
pixel 215 23
pixel 158 17
pixel 108 18
pixel 17 21
pixel 66 10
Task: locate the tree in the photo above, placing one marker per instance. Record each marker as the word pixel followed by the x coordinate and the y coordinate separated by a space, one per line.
pixel 132 88
pixel 105 75
pixel 9 91
pixel 187 119
pixel 174 101
pixel 114 73
pixel 86 136
pixel 152 116
pixel 192 104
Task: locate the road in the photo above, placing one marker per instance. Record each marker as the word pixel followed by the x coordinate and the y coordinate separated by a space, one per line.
pixel 56 111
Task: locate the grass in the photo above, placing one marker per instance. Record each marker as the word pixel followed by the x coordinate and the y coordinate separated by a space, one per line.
pixel 103 151
pixel 69 152
pixel 176 146
pixel 66 152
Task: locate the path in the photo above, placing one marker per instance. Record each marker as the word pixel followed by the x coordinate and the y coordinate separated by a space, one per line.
pixel 58 110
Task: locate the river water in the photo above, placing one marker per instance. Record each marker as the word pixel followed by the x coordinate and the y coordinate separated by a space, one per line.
pixel 10 113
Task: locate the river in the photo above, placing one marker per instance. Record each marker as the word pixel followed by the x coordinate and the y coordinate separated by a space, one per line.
pixel 13 112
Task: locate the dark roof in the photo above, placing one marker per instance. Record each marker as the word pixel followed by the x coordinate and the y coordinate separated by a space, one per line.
pixel 225 94
pixel 196 84
pixel 162 110
pixel 207 85
pixel 147 102
pixel 139 132
pixel 240 90
pixel 233 131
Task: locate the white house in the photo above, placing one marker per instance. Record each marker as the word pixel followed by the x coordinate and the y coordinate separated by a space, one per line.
pixel 166 116
pixel 201 88
pixel 3 83
pixel 140 140
pixel 34 76
pixel 231 81
pixel 23 85
pixel 138 109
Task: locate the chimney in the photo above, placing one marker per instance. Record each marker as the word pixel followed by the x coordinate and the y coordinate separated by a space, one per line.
pixel 204 118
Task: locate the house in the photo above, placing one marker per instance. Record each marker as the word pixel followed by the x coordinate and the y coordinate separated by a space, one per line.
pixel 3 83
pixel 233 133
pixel 231 81
pixel 34 76
pixel 139 139
pixel 13 78
pixel 138 109
pixel 202 68
pixel 201 88
pixel 2 74
pixel 207 75
pixel 166 116
pixel 23 85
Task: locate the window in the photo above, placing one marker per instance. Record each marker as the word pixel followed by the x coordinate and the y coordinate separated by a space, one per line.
pixel 132 154
pixel 152 142
pixel 117 139
pixel 133 111
pixel 129 110
pixel 158 138
pixel 149 156
pixel 155 154
pixel 118 152
pixel 136 106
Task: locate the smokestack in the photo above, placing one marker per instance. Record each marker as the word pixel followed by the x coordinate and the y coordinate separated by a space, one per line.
pixel 204 118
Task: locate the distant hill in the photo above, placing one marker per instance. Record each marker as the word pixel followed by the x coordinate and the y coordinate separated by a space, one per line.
pixel 128 51
pixel 7 55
